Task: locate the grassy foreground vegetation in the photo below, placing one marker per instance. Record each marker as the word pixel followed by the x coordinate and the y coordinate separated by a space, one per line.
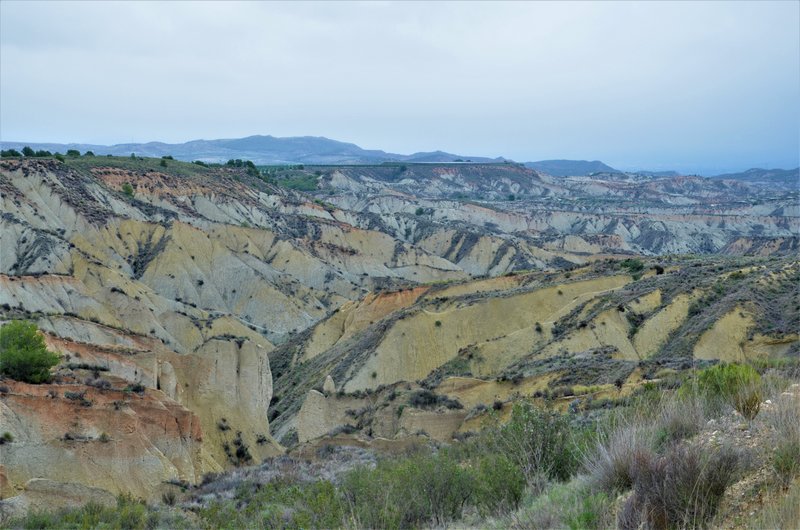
pixel 646 464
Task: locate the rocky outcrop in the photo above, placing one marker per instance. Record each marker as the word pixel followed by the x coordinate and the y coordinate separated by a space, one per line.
pixel 111 438
pixel 229 383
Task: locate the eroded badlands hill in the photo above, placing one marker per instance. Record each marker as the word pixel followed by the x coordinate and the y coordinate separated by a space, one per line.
pixel 433 359
pixel 200 305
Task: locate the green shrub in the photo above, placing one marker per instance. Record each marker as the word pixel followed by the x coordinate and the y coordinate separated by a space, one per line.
pixel 786 460
pixel 539 442
pixel 279 504
pixel 633 265
pixel 415 491
pixel 499 484
pixel 127 189
pixel 733 384
pixel 23 354
pixel 569 505
pixel 593 511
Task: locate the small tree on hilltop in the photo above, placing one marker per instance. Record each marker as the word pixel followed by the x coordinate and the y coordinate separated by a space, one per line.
pixel 27 151
pixel 23 354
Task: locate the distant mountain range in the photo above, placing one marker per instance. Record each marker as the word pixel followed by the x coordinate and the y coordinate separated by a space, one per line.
pixel 261 150
pixel 571 168
pixel 783 177
pixel 780 178
pixel 320 150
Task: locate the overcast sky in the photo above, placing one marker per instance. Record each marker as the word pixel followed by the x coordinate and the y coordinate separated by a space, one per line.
pixel 706 87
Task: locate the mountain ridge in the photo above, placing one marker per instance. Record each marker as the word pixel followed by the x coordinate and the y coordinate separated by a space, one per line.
pixel 320 150
pixel 261 149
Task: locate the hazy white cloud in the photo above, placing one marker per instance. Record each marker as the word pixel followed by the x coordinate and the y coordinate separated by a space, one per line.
pixel 686 85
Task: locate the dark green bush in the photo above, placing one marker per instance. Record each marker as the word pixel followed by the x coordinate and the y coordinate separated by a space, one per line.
pixel 633 265
pixel 23 354
pixel 127 189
